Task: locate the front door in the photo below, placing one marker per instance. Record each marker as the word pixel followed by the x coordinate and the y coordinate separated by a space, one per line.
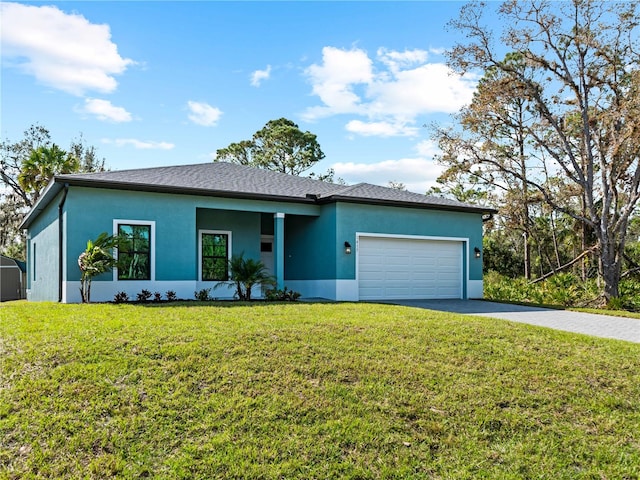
pixel 266 252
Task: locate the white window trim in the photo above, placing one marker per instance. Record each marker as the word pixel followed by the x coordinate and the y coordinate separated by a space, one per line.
pixel 150 223
pixel 215 232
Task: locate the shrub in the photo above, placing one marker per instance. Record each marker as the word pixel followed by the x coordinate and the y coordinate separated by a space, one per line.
pixel 500 287
pixel 157 297
pixel 143 296
pixel 121 297
pixel 203 295
pixel 247 273
pixel 171 296
pixel 277 295
pixel 616 303
pixel 96 259
pixel 563 289
pixel 630 294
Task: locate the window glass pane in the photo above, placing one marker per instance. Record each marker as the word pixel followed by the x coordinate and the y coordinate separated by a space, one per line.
pixel 214 256
pixel 214 269
pixel 266 247
pixel 134 253
pixel 125 230
pixel 220 268
pixel 207 245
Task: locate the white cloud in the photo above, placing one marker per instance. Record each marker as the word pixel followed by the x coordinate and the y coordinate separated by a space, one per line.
pixel 418 174
pixel 104 110
pixel 334 80
pixel 426 89
pixel 390 91
pixel 259 75
pixel 427 148
pixel 203 113
pixel 139 144
pixel 380 129
pixel 397 60
pixel 63 51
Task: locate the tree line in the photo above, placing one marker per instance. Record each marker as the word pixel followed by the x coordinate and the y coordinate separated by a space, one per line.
pixel 26 167
pixel 552 136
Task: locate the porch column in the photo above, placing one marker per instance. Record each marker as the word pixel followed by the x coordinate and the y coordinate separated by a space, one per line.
pixel 278 249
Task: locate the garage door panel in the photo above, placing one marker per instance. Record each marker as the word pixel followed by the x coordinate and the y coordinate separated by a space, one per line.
pixel 423 278
pixel 397 268
pixel 425 262
pixel 395 276
pixel 390 260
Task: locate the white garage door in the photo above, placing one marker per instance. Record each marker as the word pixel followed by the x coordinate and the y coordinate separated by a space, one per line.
pixel 400 268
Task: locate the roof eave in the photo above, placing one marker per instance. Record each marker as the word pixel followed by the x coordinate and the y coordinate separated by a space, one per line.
pixel 143 187
pixel 57 183
pixel 400 203
pixel 50 192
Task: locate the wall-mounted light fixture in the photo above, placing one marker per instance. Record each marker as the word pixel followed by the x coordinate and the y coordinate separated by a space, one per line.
pixel 347 248
pixel 477 252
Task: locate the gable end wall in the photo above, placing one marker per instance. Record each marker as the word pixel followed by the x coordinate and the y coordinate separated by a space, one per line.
pixel 43 265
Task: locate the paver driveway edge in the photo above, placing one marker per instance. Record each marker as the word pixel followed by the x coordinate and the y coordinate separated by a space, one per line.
pixel 605 326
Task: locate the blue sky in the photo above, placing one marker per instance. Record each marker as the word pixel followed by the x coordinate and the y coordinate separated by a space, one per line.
pixel 167 83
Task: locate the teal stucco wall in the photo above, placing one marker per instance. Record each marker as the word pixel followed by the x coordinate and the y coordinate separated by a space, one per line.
pixel 310 246
pixel 244 226
pixel 352 218
pixel 315 246
pixel 177 217
pixel 313 243
pixel 92 211
pixel 43 254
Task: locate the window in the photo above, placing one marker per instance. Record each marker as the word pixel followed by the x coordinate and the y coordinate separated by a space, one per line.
pixel 214 255
pixel 134 252
pixel 266 247
pixel 33 247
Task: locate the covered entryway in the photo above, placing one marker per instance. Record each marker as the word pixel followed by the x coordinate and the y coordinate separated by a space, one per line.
pixel 409 268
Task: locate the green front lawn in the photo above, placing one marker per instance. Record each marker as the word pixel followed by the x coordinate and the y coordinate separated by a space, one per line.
pixel 309 391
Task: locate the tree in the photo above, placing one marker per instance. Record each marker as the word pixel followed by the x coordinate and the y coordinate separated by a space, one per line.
pixel 13 155
pixel 329 177
pixel 26 167
pixel 86 155
pixel 97 258
pixel 42 164
pixel 280 146
pixel 578 73
pixel 11 215
pixel 396 185
pixel 247 273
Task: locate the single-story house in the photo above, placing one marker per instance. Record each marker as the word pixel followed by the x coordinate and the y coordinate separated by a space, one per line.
pixel 341 242
pixel 12 279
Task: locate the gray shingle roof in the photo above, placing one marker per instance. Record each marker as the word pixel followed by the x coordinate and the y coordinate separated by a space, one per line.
pixel 220 178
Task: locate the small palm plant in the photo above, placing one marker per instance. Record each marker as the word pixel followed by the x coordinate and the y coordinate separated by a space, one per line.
pixel 247 273
pixel 96 259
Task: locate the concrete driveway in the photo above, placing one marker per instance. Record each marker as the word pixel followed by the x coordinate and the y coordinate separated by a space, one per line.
pixel 590 324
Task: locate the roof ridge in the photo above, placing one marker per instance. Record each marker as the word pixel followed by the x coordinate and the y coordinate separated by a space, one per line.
pixel 347 188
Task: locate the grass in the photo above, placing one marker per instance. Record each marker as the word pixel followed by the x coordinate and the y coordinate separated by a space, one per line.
pixel 309 391
pixel 613 313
